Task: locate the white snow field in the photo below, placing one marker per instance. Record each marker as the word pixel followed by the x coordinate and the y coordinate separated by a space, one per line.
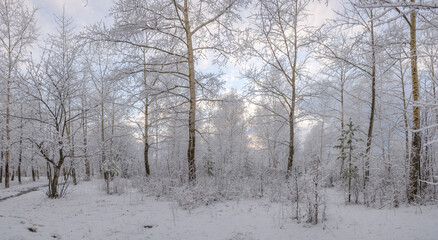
pixel 88 213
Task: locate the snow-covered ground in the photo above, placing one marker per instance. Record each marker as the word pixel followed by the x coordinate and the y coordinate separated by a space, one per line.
pixel 16 188
pixel 88 213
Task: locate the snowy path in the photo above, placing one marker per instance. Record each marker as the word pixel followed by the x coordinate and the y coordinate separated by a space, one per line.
pixel 17 189
pixel 88 213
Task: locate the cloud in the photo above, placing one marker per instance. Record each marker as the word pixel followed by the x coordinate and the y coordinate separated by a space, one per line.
pixel 82 12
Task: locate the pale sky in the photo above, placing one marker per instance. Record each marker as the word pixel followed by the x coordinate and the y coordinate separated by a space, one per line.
pixel 86 12
pixel 83 12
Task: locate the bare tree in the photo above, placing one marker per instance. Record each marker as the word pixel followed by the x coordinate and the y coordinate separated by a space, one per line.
pixel 410 17
pixel 51 84
pixel 184 31
pixel 277 37
pixel 17 33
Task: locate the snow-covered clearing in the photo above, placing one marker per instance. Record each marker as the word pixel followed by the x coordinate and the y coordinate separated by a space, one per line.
pixel 16 188
pixel 88 213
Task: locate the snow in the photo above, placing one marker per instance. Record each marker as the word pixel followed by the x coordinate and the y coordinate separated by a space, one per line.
pixel 16 188
pixel 88 213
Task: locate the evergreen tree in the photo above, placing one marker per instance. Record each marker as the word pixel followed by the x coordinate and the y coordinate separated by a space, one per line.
pixel 347 145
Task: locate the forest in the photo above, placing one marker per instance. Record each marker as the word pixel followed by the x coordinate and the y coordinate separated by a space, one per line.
pixel 301 109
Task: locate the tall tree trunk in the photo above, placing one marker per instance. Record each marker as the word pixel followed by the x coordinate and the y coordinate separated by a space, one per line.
pixel 405 114
pixel 146 117
pixel 290 158
pixel 84 124
pixel 192 88
pixel 342 121
pixel 373 106
pixel 318 167
pixel 102 137
pixel 8 130
pixel 414 173
pixel 20 154
pixel 85 146
pixel 32 164
pixel 146 136
pixel 157 147
pixel 71 144
pixel 113 119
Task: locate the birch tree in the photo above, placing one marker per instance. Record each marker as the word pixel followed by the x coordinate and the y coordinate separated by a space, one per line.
pixel 101 65
pixel 338 72
pixel 185 30
pixel 277 38
pixel 407 10
pixel 17 33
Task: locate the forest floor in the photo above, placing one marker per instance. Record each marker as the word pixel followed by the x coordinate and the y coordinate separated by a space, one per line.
pixel 17 189
pixel 88 213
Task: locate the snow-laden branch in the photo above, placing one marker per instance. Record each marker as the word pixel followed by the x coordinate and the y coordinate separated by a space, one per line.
pixel 430 183
pixel 423 4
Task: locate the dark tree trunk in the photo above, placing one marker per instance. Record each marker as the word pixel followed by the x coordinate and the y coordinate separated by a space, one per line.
pixel 53 183
pixel 19 172
pixel 33 174
pixel 146 143
pixel 290 158
pixel 19 163
pixel 73 174
pixel 373 106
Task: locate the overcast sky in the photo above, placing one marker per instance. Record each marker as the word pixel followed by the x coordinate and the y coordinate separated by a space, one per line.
pixel 83 12
pixel 86 12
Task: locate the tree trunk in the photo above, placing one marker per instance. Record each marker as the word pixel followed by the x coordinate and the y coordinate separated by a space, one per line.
pixel 19 170
pixel 290 158
pixel 73 174
pixel 414 174
pixel 192 87
pixel 84 124
pixel 102 136
pixel 342 120
pixel 85 145
pixel 146 143
pixel 405 115
pixel 8 130
pixel 20 154
pixel 71 144
pixel 33 174
pixel 53 182
pixel 146 117
pixel 292 110
pixel 113 118
pixel 373 105
pixel 107 180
